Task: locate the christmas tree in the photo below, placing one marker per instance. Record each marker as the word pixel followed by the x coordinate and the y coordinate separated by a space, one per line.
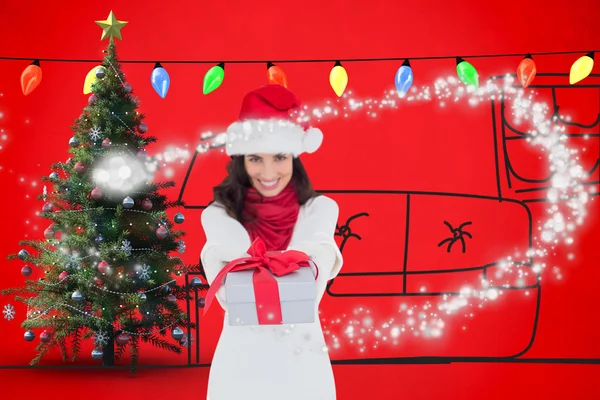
pixel 107 270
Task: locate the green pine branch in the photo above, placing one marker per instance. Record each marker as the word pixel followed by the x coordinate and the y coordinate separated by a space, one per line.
pixel 76 343
pixel 160 343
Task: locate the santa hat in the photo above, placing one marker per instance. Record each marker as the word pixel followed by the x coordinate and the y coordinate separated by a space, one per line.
pixel 265 126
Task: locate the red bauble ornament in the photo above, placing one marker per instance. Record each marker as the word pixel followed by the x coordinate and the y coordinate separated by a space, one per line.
pixel 171 297
pixel 45 337
pixel 97 193
pixel 92 99
pixel 103 266
pixel 79 229
pixel 68 160
pixel 162 232
pixel 63 275
pixel 79 167
pixel 106 143
pixel 147 204
pixel 122 339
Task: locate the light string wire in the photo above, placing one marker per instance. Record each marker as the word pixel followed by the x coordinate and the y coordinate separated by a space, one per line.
pixel 328 60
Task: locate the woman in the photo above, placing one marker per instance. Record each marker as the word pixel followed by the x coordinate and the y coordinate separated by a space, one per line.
pixel 267 194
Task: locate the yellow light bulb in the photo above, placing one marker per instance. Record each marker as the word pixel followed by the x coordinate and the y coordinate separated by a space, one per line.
pixel 91 78
pixel 338 79
pixel 581 68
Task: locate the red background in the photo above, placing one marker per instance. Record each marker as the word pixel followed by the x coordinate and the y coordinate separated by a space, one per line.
pixel 415 147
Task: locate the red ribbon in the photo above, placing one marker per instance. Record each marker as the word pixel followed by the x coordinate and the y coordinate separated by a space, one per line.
pixel 266 291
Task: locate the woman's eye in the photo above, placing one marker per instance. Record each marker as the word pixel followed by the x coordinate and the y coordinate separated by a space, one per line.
pixel 280 158
pixel 254 159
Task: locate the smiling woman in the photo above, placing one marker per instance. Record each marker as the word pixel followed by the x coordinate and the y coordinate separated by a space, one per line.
pixel 269 173
pixel 267 197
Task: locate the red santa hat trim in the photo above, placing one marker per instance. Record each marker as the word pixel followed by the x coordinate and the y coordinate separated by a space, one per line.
pixel 264 125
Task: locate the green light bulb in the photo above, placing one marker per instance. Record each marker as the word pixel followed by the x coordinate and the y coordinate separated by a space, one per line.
pixel 213 78
pixel 467 73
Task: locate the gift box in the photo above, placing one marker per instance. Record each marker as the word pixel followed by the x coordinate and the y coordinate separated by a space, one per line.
pixel 297 296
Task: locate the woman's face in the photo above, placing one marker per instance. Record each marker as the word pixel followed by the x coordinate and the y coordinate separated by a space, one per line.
pixel 269 173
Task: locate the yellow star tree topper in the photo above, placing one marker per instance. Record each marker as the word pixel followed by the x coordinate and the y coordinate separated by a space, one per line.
pixel 111 27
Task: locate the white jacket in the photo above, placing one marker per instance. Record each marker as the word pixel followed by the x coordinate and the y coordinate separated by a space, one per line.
pixel 272 362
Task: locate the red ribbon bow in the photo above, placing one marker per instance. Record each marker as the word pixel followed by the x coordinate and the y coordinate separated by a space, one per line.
pixel 265 264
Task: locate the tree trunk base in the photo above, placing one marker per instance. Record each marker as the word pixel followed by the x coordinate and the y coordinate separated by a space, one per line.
pixel 108 355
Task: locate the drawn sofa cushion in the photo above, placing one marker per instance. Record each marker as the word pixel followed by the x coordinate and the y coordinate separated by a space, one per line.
pixel 413 248
pixel 576 110
pixel 426 242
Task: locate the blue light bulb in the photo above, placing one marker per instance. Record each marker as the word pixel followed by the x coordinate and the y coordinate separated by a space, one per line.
pixel 404 78
pixel 160 80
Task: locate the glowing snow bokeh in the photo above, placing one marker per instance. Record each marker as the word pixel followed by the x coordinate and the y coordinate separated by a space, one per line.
pixel 567 200
pixel 122 173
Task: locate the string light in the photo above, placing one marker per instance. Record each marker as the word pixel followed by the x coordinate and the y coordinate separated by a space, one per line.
pixel 276 75
pixel 467 73
pixel 160 80
pixel 581 68
pixel 31 77
pixel 338 79
pixel 526 71
pixel 213 78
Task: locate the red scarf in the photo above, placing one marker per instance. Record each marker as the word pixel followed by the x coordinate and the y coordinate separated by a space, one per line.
pixel 272 218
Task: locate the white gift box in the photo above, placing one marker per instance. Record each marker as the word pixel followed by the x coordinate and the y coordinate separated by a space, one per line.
pixel 297 294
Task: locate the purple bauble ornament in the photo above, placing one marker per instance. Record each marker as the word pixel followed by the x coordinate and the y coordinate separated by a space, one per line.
pixel 48 207
pixel 161 232
pixel 79 167
pixel 92 99
pixel 127 87
pixel 142 128
pixel 97 193
pixel 26 270
pixel 45 337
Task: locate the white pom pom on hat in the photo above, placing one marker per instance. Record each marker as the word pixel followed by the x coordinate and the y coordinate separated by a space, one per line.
pixel 264 125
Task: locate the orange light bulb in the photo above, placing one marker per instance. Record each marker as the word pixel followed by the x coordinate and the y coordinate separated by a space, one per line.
pixel 31 77
pixel 276 75
pixel 526 70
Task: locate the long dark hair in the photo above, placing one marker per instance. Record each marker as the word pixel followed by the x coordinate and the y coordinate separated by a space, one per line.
pixel 231 192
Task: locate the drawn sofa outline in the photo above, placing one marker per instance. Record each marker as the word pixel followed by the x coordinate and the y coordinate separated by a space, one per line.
pixel 345 231
pixel 499 116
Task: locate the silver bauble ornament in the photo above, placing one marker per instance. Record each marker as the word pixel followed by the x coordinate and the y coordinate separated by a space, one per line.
pixel 99 239
pixel 100 73
pixel 48 207
pixel 177 333
pixel 77 296
pixel 54 176
pixel 179 218
pixel 23 254
pixel 73 142
pixel 128 202
pixel 97 354
pixel 143 297
pixel 195 283
pixel 29 336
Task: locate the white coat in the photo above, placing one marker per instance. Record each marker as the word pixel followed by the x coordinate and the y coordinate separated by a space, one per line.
pixel 272 362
